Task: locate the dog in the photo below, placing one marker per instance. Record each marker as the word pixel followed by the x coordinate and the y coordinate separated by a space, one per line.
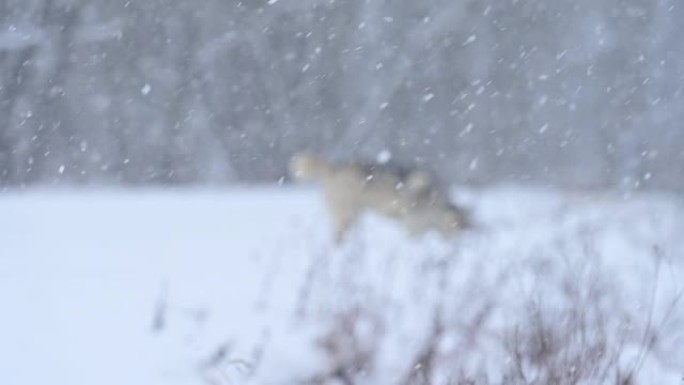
pixel 409 197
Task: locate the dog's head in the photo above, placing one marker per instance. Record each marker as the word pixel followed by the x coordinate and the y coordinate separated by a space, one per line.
pixel 306 167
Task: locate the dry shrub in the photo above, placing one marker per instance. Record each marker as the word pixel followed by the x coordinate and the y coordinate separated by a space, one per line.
pixel 577 335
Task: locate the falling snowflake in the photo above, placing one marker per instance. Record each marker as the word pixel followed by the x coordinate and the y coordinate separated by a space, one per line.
pixel 469 40
pixel 383 157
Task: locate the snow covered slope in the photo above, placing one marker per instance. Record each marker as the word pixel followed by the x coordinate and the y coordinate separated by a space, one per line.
pixel 243 286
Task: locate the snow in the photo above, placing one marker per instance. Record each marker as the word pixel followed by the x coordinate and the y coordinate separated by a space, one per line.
pixel 242 285
pixel 384 156
pixel 14 39
pixel 470 40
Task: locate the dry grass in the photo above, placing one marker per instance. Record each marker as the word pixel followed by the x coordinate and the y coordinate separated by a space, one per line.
pixel 572 326
pixel 578 338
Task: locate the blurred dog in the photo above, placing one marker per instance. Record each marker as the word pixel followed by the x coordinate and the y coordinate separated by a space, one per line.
pixel 408 197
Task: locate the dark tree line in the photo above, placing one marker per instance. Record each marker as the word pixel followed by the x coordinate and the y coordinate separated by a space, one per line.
pixel 572 93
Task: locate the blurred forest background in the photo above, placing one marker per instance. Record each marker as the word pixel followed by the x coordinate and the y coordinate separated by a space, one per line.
pixel 572 93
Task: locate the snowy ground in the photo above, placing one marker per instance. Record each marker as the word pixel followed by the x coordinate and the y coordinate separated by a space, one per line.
pixel 243 286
